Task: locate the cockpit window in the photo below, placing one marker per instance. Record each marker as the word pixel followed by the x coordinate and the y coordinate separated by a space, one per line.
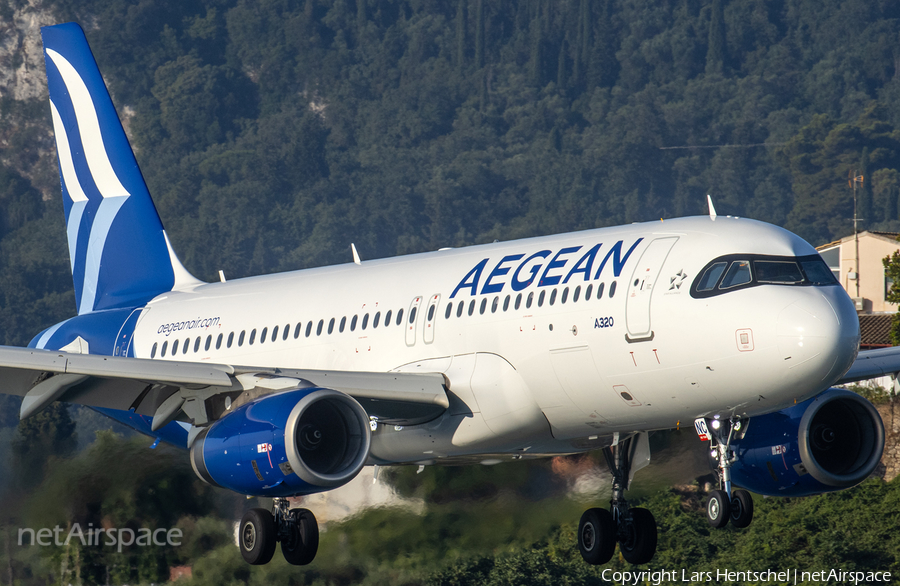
pixel 739 271
pixel 738 274
pixel 817 272
pixel 711 276
pixel 776 271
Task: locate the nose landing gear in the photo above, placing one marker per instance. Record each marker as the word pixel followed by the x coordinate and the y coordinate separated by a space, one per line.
pixel 633 528
pixel 726 504
pixel 296 529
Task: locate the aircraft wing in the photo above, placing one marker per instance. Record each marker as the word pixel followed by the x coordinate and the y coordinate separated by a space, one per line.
pixel 197 392
pixel 873 364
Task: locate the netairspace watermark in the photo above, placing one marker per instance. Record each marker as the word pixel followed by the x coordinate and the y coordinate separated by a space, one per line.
pixel 100 536
pixel 727 576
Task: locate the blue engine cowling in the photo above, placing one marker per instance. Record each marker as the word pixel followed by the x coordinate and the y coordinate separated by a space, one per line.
pixel 296 442
pixel 830 442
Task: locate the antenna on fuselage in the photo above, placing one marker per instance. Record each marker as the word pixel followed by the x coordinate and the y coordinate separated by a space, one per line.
pixel 712 208
pixel 355 254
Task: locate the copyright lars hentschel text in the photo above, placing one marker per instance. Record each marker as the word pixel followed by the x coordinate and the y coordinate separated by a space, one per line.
pixel 726 576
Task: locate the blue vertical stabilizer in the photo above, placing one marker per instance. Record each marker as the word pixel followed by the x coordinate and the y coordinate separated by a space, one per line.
pixel 119 252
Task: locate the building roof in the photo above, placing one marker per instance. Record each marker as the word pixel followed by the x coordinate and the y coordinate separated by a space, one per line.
pixel 890 236
pixel 875 330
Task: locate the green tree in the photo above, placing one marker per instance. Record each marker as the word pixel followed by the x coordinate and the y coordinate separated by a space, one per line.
pixel 892 274
pixel 43 437
pixel 715 54
pixel 461 37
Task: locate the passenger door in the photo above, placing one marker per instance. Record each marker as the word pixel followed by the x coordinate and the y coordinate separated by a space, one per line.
pixel 640 289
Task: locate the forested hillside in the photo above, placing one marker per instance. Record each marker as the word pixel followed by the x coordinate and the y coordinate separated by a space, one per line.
pixel 273 133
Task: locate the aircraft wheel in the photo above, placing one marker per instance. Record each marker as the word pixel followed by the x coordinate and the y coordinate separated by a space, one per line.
pixel 718 508
pixel 257 536
pixel 596 536
pixel 301 548
pixel 741 508
pixel 638 544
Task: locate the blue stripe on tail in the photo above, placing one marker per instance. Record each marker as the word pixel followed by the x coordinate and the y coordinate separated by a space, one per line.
pixel 117 246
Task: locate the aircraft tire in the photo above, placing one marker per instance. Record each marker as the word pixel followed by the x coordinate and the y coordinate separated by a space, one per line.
pixel 638 545
pixel 596 536
pixel 304 543
pixel 257 536
pixel 741 508
pixel 718 508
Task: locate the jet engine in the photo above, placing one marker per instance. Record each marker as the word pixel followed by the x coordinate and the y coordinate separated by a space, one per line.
pixel 830 442
pixel 301 441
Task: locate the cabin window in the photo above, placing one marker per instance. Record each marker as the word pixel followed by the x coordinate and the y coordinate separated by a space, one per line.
pixel 262 336
pixel 319 327
pixel 412 315
pixel 495 304
pixel 287 331
pixel 196 346
pixel 163 351
pixel 219 342
pixel 471 307
pixel 275 334
pixel 400 316
pixel 230 339
pixel 365 322
pixel 252 336
pixel 576 294
pixel 483 306
pixel 518 301
pixel 530 300
pixel 541 298
pixel 387 318
pixel 552 297
pixel 353 323
pixel 587 292
pixel 153 351
pixel 431 312
pixel 297 329
pixel 459 308
pixel 377 319
pixel 308 329
pixel 208 343
pixel 343 324
pixel 612 289
pixel 331 326
pixel 241 338
pixel 565 295
pixel 506 303
pixel 599 290
pixel 448 311
pixel 174 347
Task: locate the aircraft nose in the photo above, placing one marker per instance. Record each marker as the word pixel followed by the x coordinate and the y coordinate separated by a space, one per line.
pixel 818 334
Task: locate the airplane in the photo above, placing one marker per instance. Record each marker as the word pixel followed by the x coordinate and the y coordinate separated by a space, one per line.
pixel 289 384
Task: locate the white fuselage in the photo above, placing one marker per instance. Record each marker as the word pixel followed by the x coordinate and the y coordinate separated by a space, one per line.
pixel 548 377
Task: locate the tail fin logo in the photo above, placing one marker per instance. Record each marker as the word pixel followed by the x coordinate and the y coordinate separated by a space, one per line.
pixel 85 260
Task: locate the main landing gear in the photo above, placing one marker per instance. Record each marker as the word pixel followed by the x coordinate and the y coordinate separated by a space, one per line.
pixel 296 529
pixel 725 504
pixel 633 528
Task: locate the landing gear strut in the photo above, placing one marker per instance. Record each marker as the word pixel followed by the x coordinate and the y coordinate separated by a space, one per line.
pixel 296 529
pixel 725 503
pixel 633 528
